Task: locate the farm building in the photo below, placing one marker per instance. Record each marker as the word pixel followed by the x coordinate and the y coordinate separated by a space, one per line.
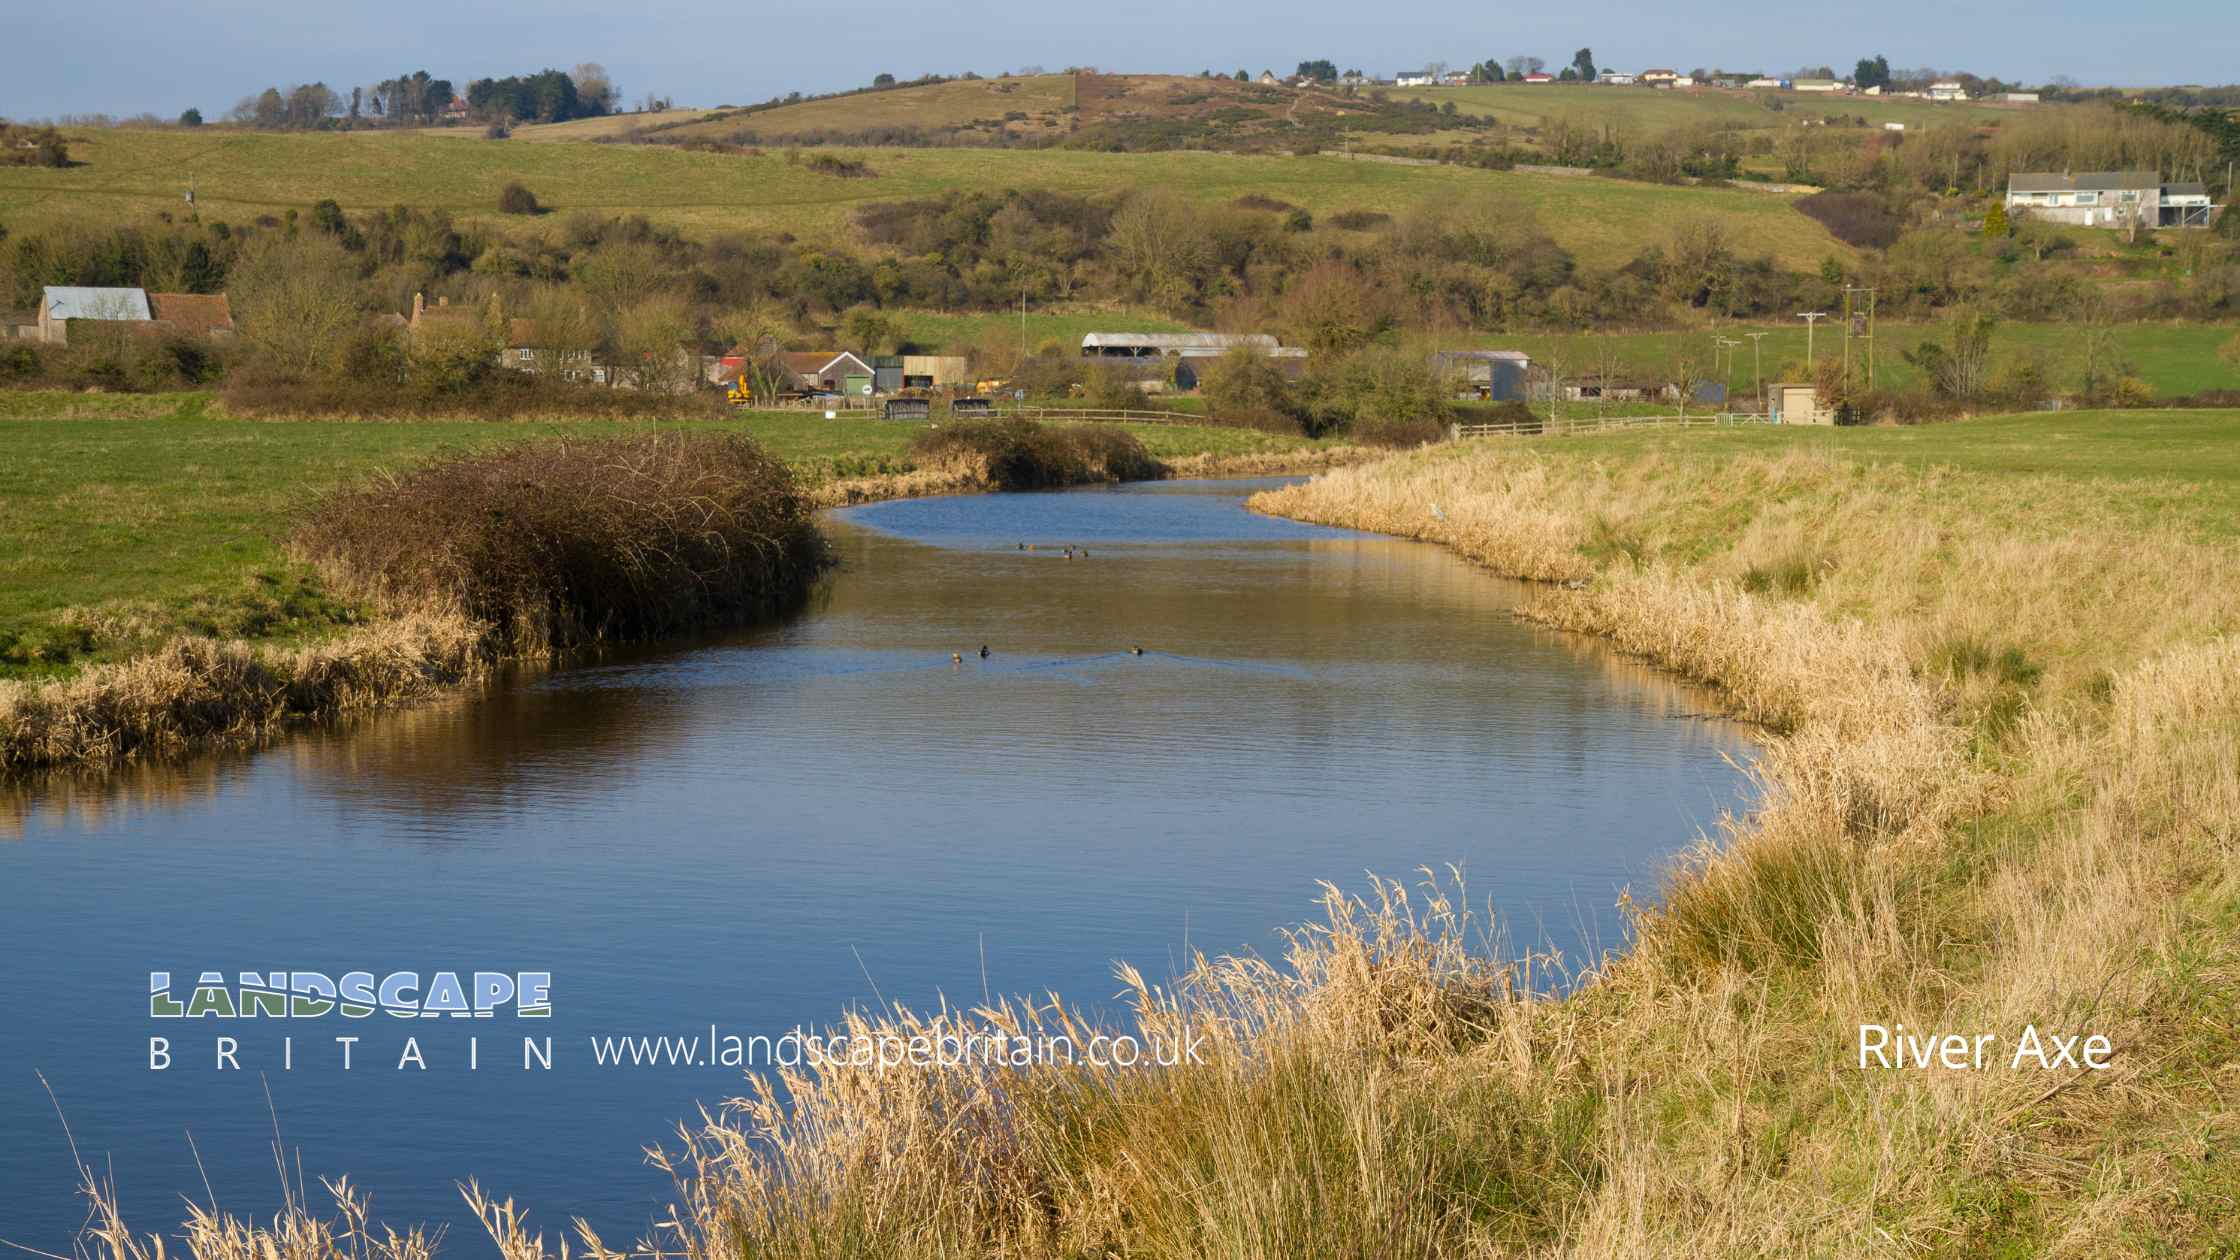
pixel 1414 78
pixel 907 408
pixel 23 324
pixel 1268 78
pixel 1948 90
pixel 1539 77
pixel 2110 199
pixel 1496 375
pixel 194 314
pixel 1767 83
pixel 935 371
pixel 1188 352
pixel 1816 85
pixel 1798 404
pixel 1617 78
pixel 828 372
pixel 1126 345
pixel 59 304
pixel 971 407
pixel 1596 387
pixel 1656 77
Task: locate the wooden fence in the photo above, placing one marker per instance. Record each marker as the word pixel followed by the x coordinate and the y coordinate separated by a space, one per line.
pixel 1121 415
pixel 1542 426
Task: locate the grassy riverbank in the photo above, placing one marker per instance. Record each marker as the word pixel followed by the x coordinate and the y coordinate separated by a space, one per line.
pixel 129 520
pixel 2002 793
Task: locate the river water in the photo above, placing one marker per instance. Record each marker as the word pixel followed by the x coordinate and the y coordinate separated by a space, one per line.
pixel 758 831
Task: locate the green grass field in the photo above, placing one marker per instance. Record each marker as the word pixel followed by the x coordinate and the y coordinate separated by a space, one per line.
pixel 129 175
pixel 150 517
pixel 1642 110
pixel 609 127
pixel 2173 359
pixel 2183 466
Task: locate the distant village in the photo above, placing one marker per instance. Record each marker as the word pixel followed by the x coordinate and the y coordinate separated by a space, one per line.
pixel 1436 76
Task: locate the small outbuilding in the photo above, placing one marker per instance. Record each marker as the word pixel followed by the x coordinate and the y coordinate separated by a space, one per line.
pixel 1798 404
pixel 59 304
pixel 1494 375
pixel 907 409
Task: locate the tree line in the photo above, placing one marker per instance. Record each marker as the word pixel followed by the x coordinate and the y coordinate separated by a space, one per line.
pixel 420 99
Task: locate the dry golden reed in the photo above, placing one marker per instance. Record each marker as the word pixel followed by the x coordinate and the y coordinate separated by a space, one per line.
pixel 1986 804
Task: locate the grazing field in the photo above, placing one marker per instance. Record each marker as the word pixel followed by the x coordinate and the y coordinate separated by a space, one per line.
pixel 2164 468
pixel 2175 360
pixel 608 127
pixel 130 175
pixel 145 517
pixel 1044 100
pixel 1640 109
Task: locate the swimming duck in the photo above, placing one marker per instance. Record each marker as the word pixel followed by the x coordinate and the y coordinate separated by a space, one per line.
pixel 1136 650
pixel 983 651
pixel 956 658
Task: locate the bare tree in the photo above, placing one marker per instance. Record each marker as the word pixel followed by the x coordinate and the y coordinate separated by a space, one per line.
pixel 298 302
pixel 595 88
pixel 654 341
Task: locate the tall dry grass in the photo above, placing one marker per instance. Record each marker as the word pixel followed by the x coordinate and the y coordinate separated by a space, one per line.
pixel 556 545
pixel 526 550
pixel 2041 828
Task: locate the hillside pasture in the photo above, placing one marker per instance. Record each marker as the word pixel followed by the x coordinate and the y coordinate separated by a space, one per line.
pixel 130 175
pixel 2174 360
pixel 1043 99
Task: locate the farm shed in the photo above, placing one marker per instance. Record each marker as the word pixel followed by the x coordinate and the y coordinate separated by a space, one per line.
pixel 907 409
pixel 59 304
pixel 1496 375
pixel 934 371
pixel 1798 404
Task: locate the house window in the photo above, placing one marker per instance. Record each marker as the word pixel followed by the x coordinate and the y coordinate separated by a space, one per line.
pixel 2088 199
pixel 527 354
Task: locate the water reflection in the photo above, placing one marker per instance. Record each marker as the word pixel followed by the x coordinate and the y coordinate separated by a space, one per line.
pixel 760 829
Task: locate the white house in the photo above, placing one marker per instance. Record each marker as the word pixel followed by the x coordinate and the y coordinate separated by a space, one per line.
pixel 2110 199
pixel 1766 83
pixel 1414 78
pixel 1947 90
pixel 1616 77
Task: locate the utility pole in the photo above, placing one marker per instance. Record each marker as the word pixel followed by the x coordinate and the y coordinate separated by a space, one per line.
pixel 1722 343
pixel 1022 328
pixel 1858 325
pixel 1810 318
pixel 1757 372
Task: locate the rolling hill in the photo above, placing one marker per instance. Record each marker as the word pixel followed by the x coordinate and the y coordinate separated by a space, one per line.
pixel 1651 109
pixel 131 175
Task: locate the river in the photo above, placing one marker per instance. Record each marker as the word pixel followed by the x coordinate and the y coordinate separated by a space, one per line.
pixel 756 831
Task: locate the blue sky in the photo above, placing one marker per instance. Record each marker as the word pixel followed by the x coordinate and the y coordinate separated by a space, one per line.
pixel 126 56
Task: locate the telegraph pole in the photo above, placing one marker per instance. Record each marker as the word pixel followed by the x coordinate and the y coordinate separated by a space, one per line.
pixel 1722 343
pixel 1810 318
pixel 1757 374
pixel 1858 325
